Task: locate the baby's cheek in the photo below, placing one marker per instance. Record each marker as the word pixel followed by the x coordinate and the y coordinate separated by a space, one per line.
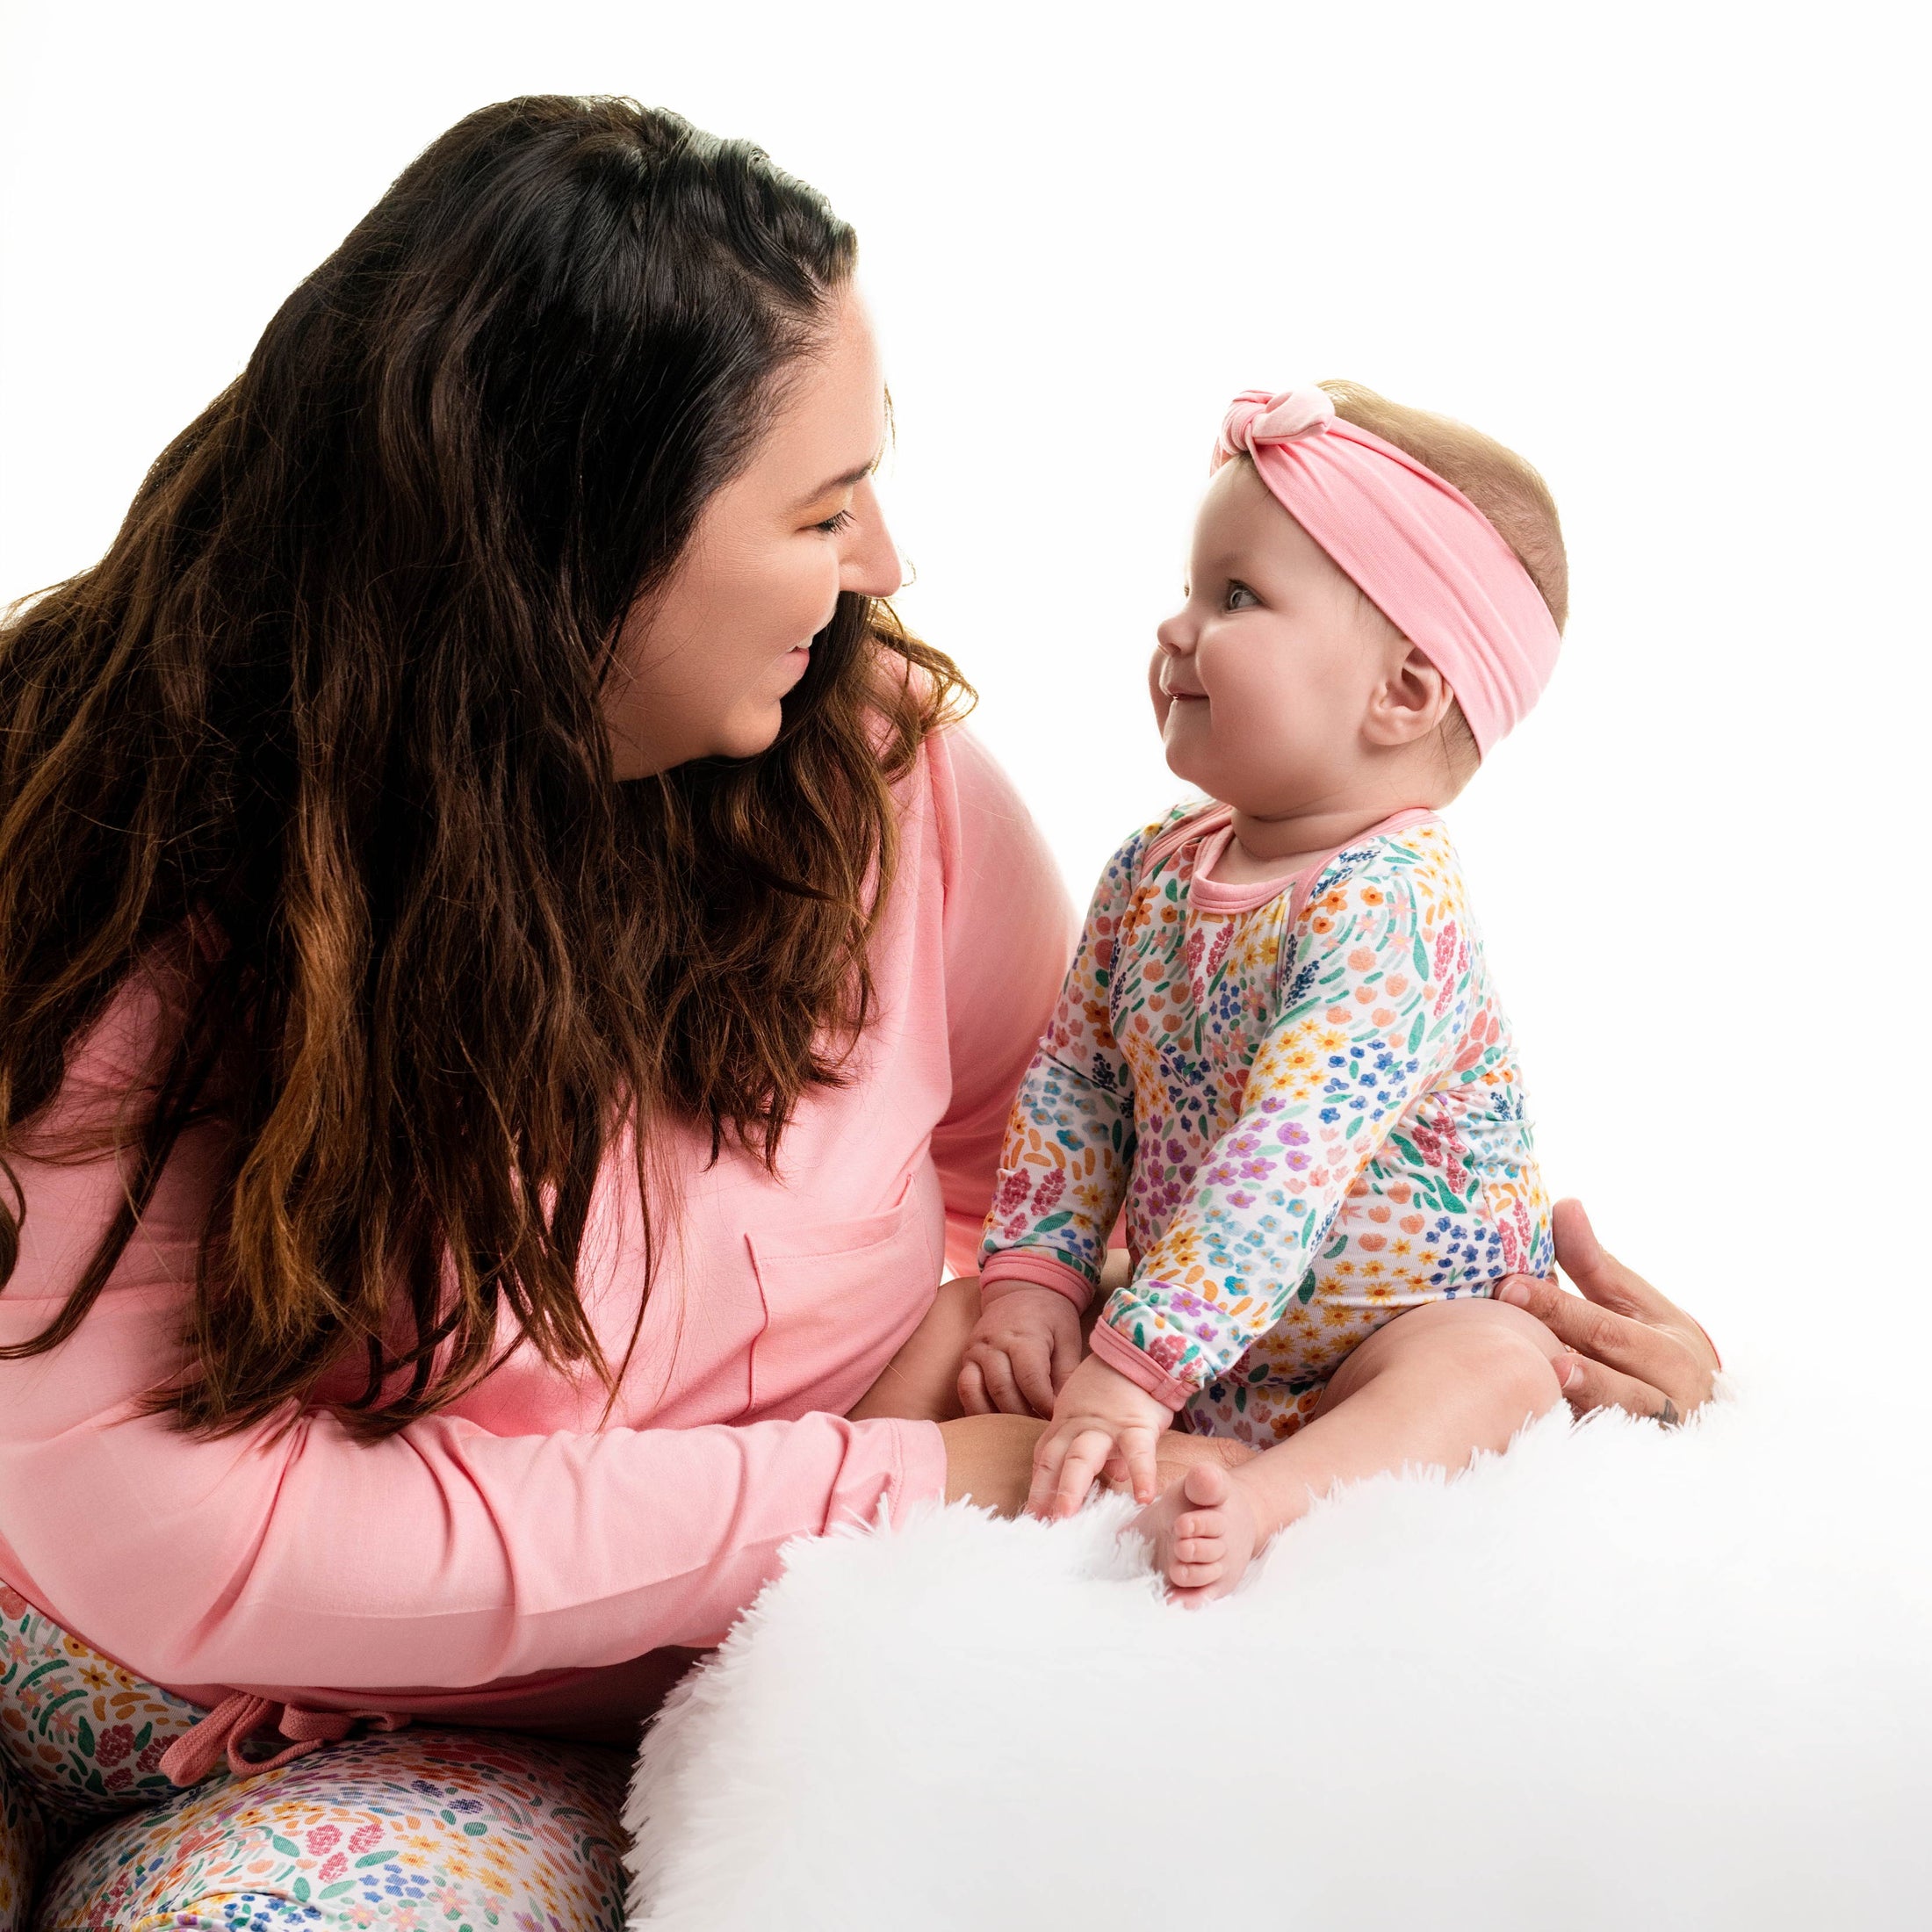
pixel 1227 757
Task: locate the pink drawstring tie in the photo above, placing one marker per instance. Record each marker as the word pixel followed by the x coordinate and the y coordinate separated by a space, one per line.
pixel 236 1719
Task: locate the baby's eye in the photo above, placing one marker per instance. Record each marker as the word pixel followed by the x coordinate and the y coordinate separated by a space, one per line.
pixel 1235 593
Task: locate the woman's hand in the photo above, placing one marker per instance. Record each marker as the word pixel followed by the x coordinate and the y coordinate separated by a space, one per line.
pixel 1631 1349
pixel 1023 1348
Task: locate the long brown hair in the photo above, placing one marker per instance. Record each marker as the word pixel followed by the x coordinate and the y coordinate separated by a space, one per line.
pixel 331 702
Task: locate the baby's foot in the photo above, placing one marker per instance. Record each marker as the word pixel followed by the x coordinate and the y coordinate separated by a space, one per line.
pixel 1203 1530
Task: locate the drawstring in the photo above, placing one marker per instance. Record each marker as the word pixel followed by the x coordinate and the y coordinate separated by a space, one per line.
pixel 236 1719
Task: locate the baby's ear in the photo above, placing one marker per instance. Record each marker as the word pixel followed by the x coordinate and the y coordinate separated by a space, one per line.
pixel 1409 701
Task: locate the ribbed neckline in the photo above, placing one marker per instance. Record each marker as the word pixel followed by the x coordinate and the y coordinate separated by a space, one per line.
pixel 1214 829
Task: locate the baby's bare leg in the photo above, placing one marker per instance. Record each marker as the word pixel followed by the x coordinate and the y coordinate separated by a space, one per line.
pixel 1429 1389
pixel 921 1382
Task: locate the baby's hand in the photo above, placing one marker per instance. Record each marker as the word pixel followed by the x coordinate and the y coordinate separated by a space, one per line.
pixel 1022 1349
pixel 1101 1420
pixel 1203 1532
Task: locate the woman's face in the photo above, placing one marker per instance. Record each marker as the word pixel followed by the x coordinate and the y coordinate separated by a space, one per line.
pixel 701 665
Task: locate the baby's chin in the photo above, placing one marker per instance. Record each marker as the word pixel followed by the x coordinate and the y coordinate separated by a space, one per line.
pixel 1189 755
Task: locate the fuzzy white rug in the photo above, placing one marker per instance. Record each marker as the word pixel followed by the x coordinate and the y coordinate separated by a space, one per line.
pixel 1617 1677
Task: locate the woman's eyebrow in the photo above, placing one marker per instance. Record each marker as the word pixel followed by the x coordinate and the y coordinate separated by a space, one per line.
pixel 851 480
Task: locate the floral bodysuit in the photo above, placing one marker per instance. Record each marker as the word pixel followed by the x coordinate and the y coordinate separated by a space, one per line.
pixel 1306 1094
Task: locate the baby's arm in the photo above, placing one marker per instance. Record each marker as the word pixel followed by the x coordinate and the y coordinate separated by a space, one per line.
pixel 1062 1175
pixel 1429 1390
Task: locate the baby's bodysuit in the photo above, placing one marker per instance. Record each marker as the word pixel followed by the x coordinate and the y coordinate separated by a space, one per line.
pixel 1306 1094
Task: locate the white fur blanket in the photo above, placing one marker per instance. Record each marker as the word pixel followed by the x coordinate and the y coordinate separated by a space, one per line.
pixel 1617 1677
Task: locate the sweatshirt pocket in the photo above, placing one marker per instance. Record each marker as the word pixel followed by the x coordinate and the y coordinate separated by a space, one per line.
pixel 841 1298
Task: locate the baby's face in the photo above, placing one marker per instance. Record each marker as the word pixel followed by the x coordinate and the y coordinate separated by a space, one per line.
pixel 1263 678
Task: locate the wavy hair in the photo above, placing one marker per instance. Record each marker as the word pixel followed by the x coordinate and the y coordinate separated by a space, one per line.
pixel 331 702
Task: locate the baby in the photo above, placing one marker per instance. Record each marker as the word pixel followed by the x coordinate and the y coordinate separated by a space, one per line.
pixel 1278 1045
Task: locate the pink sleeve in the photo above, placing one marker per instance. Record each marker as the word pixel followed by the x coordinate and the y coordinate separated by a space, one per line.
pixel 1114 1348
pixel 1009 929
pixel 1032 1268
pixel 444 1556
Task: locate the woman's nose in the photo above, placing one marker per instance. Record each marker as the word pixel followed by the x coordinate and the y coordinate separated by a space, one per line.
pixel 870 565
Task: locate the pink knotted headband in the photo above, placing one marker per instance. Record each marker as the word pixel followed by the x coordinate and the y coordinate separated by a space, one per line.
pixel 1416 546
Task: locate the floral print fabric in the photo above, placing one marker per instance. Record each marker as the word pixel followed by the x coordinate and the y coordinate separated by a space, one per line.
pixel 438 1827
pixel 1311 1107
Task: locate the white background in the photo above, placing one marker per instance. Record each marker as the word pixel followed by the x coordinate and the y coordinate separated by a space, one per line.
pixel 1666 250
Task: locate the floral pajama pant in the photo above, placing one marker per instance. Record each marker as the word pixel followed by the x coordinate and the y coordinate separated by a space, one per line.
pixel 447 1828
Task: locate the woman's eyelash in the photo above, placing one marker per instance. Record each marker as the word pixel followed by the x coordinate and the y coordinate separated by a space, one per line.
pixel 835 523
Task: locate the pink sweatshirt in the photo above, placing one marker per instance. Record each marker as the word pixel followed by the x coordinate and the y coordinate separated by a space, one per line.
pixel 506 1561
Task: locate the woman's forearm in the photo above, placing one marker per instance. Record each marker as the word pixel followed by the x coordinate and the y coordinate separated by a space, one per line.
pixel 989 1461
pixel 446 1556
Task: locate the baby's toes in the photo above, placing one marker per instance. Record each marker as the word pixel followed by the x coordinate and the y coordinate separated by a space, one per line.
pixel 1197 1549
pixel 1196 1582
pixel 1198 1524
pixel 1197 1560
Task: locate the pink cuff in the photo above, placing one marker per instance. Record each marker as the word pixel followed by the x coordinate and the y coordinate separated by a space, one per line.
pixel 921 1475
pixel 1137 1366
pixel 1028 1268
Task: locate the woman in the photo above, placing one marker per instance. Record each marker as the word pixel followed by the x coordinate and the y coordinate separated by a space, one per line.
pixel 509 977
